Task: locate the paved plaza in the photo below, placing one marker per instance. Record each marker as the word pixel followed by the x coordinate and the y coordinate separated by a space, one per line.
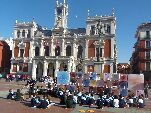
pixel 11 106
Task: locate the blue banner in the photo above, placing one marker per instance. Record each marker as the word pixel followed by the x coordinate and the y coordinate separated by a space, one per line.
pixel 63 78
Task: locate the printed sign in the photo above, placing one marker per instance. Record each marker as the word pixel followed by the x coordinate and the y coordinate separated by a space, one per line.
pixel 63 77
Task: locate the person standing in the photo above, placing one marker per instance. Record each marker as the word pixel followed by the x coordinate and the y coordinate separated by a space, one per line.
pixel 146 87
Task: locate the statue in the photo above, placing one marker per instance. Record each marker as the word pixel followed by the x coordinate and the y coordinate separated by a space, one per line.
pixel 100 28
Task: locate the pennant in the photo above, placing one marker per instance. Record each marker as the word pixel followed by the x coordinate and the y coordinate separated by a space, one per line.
pixel 85 89
pixel 139 92
pixel 86 76
pixel 123 85
pixel 79 82
pixel 115 77
pixel 79 75
pixel 99 83
pixel 123 77
pixel 93 83
pixel 115 83
pixel 93 76
pixel 107 76
pixel 72 74
pixel 124 92
pixel 86 82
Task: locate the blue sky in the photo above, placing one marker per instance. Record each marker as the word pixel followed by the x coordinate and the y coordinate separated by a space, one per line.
pixel 129 14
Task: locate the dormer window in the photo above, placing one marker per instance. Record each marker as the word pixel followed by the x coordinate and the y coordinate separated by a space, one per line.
pixel 28 35
pixel 18 34
pixel 108 29
pixel 92 30
pixel 23 33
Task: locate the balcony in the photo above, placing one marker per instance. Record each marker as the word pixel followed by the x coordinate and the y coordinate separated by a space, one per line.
pixel 148 58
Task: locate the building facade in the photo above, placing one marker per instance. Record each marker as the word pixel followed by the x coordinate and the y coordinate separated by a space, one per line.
pixel 40 52
pixel 5 56
pixel 141 57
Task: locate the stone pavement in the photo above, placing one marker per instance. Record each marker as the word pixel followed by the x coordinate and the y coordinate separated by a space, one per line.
pixel 5 86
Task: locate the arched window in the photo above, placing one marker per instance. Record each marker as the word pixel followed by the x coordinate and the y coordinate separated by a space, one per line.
pixel 37 51
pixel 21 52
pixel 57 51
pixel 23 33
pixel 46 50
pixel 68 51
pixel 28 35
pixel 18 34
pixel 108 29
pixel 80 50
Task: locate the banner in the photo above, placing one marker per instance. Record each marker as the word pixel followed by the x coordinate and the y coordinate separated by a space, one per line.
pixel 123 85
pixel 85 89
pixel 93 76
pixel 115 77
pixel 63 78
pixel 136 82
pixel 86 82
pixel 99 83
pixel 79 75
pixel 123 77
pixel 107 76
pixel 93 83
pixel 124 92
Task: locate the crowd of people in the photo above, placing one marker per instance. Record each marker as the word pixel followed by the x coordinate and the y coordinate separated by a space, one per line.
pixel 41 96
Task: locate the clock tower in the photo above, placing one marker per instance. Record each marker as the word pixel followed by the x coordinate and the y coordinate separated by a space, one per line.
pixel 61 13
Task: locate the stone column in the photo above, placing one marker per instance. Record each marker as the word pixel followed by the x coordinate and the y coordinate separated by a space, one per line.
pixel 34 70
pixel 42 49
pixel 69 66
pixel 26 32
pixel 29 68
pixel 74 50
pixel 11 70
pixel 86 49
pixel 17 67
pixel 63 48
pixel 52 47
pixel 57 68
pixel 45 69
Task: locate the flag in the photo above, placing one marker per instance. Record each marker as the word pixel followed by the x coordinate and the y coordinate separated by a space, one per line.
pixel 57 43
pixel 123 77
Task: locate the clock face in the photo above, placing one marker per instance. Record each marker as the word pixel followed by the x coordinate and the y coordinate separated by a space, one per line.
pixel 59 10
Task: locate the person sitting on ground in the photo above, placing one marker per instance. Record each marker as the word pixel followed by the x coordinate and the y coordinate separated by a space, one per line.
pixel 130 101
pixel 116 101
pixel 44 102
pixel 19 95
pixel 83 99
pixel 11 94
pixel 122 102
pixel 70 102
pixel 91 100
pixel 35 101
pixel 140 102
pixel 100 102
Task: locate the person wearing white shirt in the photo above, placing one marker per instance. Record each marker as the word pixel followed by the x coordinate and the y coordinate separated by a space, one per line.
pixel 116 101
pixel 140 102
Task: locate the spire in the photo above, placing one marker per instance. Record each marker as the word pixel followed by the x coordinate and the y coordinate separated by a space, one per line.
pixel 113 12
pixel 57 2
pixel 88 13
pixel 64 1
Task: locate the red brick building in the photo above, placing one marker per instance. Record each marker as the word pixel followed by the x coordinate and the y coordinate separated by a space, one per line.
pixel 141 57
pixel 5 56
